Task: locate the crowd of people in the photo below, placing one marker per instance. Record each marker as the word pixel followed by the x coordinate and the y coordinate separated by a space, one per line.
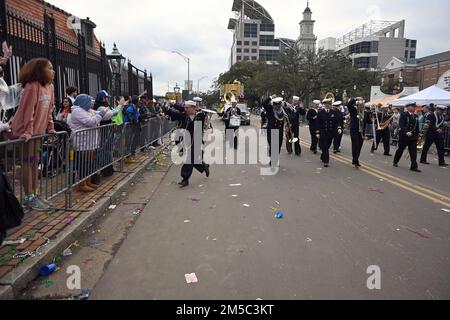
pixel 29 112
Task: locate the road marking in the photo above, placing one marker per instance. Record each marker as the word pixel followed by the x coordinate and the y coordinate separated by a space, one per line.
pixel 406 185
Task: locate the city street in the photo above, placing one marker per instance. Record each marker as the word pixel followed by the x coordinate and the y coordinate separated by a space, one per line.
pixel 338 222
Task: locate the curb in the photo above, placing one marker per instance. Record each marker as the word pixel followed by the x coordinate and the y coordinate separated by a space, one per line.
pixel 17 279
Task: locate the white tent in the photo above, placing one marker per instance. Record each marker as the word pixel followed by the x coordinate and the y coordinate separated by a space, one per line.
pixel 432 94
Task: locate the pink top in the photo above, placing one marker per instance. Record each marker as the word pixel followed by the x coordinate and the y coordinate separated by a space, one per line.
pixel 34 115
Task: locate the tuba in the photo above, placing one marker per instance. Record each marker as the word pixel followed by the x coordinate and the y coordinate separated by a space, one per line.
pixel 331 96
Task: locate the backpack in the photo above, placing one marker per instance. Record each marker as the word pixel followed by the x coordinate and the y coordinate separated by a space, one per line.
pixel 11 212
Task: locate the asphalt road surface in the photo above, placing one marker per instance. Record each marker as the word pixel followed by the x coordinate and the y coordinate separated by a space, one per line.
pixel 337 223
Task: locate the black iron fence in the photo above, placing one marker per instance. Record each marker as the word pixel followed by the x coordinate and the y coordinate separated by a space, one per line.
pixel 75 63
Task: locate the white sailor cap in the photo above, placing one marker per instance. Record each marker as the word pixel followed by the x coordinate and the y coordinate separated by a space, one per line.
pixel 327 101
pixel 441 107
pixel 295 98
pixel 190 103
pixel 198 99
pixel 385 107
pixel 317 102
pixel 277 100
pixel 337 104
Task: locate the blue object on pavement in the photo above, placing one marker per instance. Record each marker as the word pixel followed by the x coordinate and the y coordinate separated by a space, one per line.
pixel 48 270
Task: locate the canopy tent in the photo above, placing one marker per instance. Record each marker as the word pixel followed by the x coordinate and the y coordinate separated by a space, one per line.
pixel 386 100
pixel 432 94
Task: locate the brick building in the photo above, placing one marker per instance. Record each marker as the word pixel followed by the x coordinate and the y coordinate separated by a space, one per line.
pixel 423 72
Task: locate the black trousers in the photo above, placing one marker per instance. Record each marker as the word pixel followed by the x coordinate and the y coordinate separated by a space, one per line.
pixel 337 141
pixel 412 149
pixel 188 168
pixel 439 142
pixel 236 136
pixel 280 140
pixel 314 140
pixel 297 146
pixel 326 140
pixel 384 135
pixel 357 144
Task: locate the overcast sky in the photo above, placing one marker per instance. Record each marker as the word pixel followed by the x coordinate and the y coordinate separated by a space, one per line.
pixel 146 31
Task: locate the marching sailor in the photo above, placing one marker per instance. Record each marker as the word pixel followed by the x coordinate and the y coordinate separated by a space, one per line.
pixel 232 118
pixel 191 121
pixel 435 123
pixel 294 112
pixel 275 123
pixel 409 135
pixel 337 106
pixel 359 118
pixel 385 120
pixel 311 116
pixel 327 127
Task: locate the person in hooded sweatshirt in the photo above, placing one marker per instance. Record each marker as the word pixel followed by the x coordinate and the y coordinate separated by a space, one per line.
pixel 87 142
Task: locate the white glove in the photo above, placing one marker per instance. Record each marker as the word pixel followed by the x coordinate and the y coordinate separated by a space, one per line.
pixel 4 127
pixel 339 131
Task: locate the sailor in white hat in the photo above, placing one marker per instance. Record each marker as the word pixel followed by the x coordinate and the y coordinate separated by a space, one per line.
pixel 275 126
pixel 337 106
pixel 293 113
pixel 384 120
pixel 435 122
pixel 191 120
pixel 199 102
pixel 311 117
pixel 327 126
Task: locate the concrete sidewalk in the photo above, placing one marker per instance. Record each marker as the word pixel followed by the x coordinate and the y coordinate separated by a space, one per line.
pixel 61 228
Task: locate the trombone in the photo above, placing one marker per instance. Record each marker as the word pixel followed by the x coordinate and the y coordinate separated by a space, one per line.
pixel 289 133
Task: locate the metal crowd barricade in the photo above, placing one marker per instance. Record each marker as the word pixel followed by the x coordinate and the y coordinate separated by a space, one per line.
pixel 58 163
pixel 447 138
pixel 41 163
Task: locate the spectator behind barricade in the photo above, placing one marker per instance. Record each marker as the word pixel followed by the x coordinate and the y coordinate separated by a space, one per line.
pixel 71 93
pixel 85 143
pixel 34 118
pixel 103 100
pixel 144 109
pixel 131 119
pixel 65 110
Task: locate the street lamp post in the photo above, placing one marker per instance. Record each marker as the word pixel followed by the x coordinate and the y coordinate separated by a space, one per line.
pixel 198 83
pixel 116 61
pixel 189 66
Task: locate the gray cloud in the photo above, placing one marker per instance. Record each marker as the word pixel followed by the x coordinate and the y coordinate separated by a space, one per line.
pixel 147 31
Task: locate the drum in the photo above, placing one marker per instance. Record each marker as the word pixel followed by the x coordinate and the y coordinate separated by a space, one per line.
pixel 235 121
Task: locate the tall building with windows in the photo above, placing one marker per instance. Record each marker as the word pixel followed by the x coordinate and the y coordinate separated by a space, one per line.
pixel 374 44
pixel 307 40
pixel 253 33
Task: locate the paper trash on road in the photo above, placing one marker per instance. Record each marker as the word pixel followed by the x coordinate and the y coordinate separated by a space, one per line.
pixel 235 185
pixel 187 221
pixel 446 210
pixel 112 207
pixel 191 278
pixel 246 205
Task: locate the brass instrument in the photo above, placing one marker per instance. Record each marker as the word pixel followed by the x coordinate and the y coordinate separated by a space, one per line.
pixel 385 124
pixel 331 96
pixel 423 136
pixel 209 116
pixel 289 134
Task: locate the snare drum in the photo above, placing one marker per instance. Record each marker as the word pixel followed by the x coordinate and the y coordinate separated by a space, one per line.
pixel 235 121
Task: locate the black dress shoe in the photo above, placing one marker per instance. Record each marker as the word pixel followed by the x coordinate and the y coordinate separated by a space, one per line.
pixel 207 170
pixel 425 162
pixel 326 165
pixel 315 151
pixel 443 165
pixel 183 183
pixel 396 165
pixel 416 170
pixel 388 155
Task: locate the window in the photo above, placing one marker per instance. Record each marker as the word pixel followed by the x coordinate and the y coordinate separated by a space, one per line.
pixel 268 41
pixel 413 43
pixel 89 36
pixel 238 50
pixel 250 30
pixel 407 43
pixel 254 50
pixel 239 43
pixel 406 54
pixel 267 27
pixel 268 55
pixel 254 43
pixel 246 50
pixel 254 58
pixel 246 58
pixel 246 43
pixel 412 55
pixel 239 58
